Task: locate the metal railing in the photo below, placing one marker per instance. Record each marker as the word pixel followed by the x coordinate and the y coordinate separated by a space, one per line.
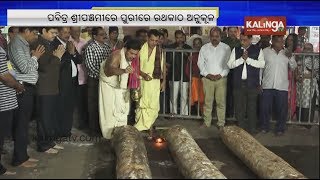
pixel 166 97
pixel 307 62
pixel 163 113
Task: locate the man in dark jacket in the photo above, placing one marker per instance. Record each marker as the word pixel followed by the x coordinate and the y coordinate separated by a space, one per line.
pixel 47 89
pixel 67 81
pixel 246 62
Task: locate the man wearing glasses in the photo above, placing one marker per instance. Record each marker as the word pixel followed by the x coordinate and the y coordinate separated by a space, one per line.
pixel 47 89
pixel 25 65
pixel 275 84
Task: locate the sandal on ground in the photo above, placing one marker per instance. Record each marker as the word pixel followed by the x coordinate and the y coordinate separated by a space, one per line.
pixel 10 173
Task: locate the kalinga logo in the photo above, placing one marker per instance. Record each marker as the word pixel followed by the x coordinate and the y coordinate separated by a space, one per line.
pixel 273 25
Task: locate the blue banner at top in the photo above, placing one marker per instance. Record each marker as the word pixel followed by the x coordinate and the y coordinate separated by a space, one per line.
pixel 231 13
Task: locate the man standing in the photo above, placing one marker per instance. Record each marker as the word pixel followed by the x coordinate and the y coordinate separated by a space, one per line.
pixel 233 42
pixel 178 80
pixel 246 62
pixel 114 95
pixel 81 107
pixel 8 101
pixel 26 69
pixel 166 41
pixel 113 40
pixel 3 40
pixel 96 52
pixel 151 70
pixel 48 90
pixel 142 35
pixel 275 83
pixel 165 94
pixel 302 39
pixel 213 59
pixel 12 32
pixel 68 81
pixel 264 41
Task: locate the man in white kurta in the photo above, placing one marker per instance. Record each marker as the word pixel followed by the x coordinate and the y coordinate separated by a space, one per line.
pixel 114 95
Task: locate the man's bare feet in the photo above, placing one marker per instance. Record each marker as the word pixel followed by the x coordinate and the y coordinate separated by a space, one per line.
pixel 58 147
pixel 51 151
pixel 203 125
pixel 10 173
pixel 28 164
pixel 33 160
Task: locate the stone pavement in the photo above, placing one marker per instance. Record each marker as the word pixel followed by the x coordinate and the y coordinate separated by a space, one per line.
pixel 92 157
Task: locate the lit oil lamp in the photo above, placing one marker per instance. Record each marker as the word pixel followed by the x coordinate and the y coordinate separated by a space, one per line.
pixel 159 143
pixel 159 140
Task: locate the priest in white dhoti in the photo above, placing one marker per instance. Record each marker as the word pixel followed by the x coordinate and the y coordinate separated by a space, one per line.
pixel 114 95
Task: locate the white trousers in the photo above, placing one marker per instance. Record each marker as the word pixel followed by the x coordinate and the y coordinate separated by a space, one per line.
pixel 175 87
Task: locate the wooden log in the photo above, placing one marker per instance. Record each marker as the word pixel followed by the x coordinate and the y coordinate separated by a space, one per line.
pixel 132 159
pixel 190 159
pixel 259 159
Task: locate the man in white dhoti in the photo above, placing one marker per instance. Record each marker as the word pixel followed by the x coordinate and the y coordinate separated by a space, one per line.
pixel 114 95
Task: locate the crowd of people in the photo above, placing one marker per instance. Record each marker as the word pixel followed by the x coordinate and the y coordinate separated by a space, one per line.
pixel 86 78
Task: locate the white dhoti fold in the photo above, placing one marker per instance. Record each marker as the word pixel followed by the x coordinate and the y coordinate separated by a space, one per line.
pixel 114 100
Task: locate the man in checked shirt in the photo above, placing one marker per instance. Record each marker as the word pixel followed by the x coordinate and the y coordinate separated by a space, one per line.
pixel 96 52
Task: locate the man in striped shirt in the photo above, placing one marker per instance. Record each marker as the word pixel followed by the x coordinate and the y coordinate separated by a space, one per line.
pixel 8 101
pixel 96 52
pixel 25 67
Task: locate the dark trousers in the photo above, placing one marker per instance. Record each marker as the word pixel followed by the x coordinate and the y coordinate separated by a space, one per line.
pixel 93 105
pixel 46 121
pixel 230 106
pixel 5 131
pixel 280 99
pixel 165 100
pixel 245 100
pixel 305 111
pixel 259 109
pixel 21 125
pixel 66 107
pixel 81 107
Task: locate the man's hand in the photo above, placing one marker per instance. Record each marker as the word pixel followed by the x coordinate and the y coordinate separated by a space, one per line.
pixel 245 55
pixel 38 52
pixel 300 78
pixel 211 77
pixel 129 69
pixel 19 88
pixel 71 48
pixel 163 86
pixel 147 77
pixel 217 77
pixel 259 88
pixel 59 51
pixel 288 52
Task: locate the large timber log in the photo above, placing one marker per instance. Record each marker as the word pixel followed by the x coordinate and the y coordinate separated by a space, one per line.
pixel 259 159
pixel 132 159
pixel 190 159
